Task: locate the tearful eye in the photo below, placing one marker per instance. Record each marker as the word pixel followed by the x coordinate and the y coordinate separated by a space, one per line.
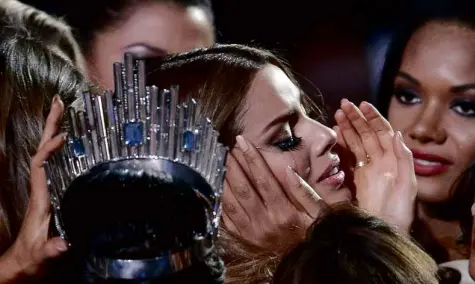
pixel 406 97
pixel 291 143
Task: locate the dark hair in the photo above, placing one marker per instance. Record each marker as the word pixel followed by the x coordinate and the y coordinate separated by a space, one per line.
pixel 346 245
pixel 133 211
pixel 219 77
pixel 30 75
pixel 460 13
pixel 52 32
pixel 108 14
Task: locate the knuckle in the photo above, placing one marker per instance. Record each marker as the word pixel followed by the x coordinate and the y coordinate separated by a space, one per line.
pixel 230 209
pixel 242 192
pixel 366 134
pixel 251 157
pixel 262 184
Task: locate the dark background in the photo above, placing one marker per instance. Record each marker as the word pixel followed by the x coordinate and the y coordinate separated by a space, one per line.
pixel 325 41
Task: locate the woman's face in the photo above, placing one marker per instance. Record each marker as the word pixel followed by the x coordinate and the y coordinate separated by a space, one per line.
pixel 154 29
pixel 275 122
pixel 433 105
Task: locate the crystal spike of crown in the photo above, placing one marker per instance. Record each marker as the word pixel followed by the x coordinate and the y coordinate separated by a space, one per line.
pixel 137 122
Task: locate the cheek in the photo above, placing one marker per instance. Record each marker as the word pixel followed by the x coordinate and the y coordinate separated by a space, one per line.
pixel 463 136
pixel 278 163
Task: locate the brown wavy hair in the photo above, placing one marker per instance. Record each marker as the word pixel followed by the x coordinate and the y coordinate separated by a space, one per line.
pixel 220 77
pixel 30 75
pixel 345 245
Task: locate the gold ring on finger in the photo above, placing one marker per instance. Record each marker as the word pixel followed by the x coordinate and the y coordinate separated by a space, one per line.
pixel 361 164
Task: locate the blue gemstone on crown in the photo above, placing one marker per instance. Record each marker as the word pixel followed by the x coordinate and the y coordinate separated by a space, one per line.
pixel 76 147
pixel 133 133
pixel 188 140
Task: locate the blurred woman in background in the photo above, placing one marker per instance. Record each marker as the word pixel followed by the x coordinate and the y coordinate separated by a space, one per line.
pixel 145 28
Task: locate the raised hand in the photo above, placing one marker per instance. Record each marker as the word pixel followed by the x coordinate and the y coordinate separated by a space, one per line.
pixel 27 256
pixel 257 208
pixel 384 174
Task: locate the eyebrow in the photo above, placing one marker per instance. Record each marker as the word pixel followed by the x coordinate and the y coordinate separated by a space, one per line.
pixel 280 119
pixel 453 89
pixel 462 88
pixel 408 77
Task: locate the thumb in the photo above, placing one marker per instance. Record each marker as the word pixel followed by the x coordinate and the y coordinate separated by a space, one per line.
pixel 302 194
pixel 405 162
pixel 54 247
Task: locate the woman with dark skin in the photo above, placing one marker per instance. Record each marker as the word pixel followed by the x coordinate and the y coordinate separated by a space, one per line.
pixel 427 93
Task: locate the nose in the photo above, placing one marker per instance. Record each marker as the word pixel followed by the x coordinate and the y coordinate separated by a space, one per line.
pixel 325 139
pixel 428 125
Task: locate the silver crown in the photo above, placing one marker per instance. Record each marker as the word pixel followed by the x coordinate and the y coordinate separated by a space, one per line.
pixel 139 122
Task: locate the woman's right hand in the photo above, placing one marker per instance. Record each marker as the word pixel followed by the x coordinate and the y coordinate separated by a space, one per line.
pixel 26 258
pixel 386 183
pixel 258 209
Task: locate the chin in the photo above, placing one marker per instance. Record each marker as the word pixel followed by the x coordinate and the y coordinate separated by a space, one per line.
pixel 432 194
pixel 342 194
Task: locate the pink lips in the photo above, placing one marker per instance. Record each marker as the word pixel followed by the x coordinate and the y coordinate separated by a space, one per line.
pixel 333 175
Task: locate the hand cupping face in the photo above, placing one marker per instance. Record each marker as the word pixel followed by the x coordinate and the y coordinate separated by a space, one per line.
pixel 384 173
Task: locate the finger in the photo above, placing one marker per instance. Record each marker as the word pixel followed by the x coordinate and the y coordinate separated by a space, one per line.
pixel 53 120
pixel 234 210
pixel 263 179
pixel 228 224
pixel 242 188
pixel 339 137
pixel 379 124
pixel 368 136
pixel 303 194
pixel 405 162
pixel 39 198
pixel 352 139
pixel 54 247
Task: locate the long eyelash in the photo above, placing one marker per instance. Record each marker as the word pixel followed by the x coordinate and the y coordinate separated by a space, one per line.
pixel 293 143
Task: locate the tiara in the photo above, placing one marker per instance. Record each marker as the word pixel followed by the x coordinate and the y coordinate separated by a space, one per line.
pixel 149 126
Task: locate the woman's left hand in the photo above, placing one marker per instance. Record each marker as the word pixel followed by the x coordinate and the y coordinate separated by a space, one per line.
pixel 385 181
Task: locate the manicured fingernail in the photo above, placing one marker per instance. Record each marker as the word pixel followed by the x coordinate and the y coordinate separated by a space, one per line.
pixel 55 99
pixel 62 246
pixel 473 210
pixel 364 106
pixel 344 101
pixel 242 143
pixel 292 177
pixel 64 136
